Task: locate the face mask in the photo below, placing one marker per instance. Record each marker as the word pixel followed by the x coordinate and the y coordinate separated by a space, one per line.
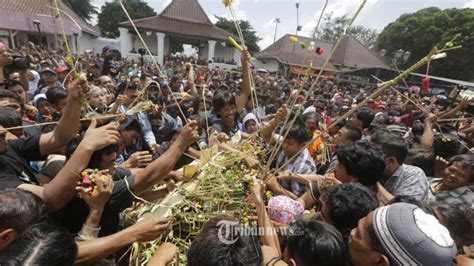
pixel 205 115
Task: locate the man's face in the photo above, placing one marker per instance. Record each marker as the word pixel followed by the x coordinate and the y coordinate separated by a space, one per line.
pixel 311 125
pixel 355 122
pixel 361 244
pixel 227 113
pixel 319 106
pixel 251 127
pixel 131 93
pixel 136 82
pixel 325 210
pixel 291 147
pixel 107 83
pixel 455 176
pixel 14 76
pixel 11 103
pixel 60 105
pixel 49 78
pixel 18 90
pixel 44 108
pixel 107 161
pixel 341 174
pixel 129 136
pixel 177 84
pixel 5 58
pixel 3 140
pixel 340 137
pixel 98 99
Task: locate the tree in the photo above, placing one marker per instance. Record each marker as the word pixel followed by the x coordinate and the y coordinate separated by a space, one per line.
pixel 111 15
pixel 332 29
pixel 83 8
pixel 250 35
pixel 419 32
pixel 176 47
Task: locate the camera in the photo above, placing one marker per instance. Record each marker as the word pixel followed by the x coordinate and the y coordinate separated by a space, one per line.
pixel 142 51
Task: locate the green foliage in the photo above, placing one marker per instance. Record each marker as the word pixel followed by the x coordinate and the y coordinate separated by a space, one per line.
pixel 83 8
pixel 250 35
pixel 176 47
pixel 332 28
pixel 419 32
pixel 111 15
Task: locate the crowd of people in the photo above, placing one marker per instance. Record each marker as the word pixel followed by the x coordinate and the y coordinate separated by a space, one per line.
pixel 393 184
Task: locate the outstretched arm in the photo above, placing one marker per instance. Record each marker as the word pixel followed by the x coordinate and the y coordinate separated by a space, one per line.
pixel 62 188
pixel 92 251
pixel 160 168
pixel 246 76
pixel 69 123
pixel 270 237
pixel 268 130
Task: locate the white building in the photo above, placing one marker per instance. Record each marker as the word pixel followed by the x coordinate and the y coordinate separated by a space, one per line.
pixel 181 22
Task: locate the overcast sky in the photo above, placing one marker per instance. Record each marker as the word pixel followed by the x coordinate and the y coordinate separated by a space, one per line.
pixel 262 13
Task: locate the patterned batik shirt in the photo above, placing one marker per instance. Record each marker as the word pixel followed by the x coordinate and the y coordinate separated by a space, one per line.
pixel 460 196
pixel 410 181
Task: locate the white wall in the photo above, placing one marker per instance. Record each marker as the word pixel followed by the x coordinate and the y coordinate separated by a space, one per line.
pixel 87 42
pixel 203 51
pixel 149 40
pixel 269 64
pixel 226 53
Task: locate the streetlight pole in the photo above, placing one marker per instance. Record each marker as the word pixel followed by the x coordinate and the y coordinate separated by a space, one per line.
pixel 297 18
pixel 277 20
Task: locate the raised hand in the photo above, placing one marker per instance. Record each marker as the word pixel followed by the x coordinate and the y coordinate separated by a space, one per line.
pixel 99 197
pixel 164 254
pixel 79 88
pixel 188 134
pixel 149 228
pixel 98 138
pixel 281 113
pixel 257 190
pixel 138 159
pixel 430 119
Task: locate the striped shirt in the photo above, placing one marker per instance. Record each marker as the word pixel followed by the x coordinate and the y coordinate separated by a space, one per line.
pixel 303 164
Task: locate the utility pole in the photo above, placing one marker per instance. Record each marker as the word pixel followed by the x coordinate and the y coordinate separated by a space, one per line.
pixel 277 21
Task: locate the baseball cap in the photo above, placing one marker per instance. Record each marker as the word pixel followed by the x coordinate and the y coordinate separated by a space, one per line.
pixel 48 69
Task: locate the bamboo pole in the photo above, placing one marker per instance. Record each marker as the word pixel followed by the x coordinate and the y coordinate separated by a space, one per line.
pixel 377 93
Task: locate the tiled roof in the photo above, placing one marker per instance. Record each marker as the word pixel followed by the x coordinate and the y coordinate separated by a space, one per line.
pixel 186 10
pixel 20 14
pixel 288 52
pixel 181 17
pixel 350 53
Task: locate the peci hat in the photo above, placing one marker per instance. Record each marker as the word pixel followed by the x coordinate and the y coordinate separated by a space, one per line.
pixel 39 98
pixel 249 117
pixel 409 236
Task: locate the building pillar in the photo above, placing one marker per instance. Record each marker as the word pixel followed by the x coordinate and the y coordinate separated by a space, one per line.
pixel 236 55
pixel 125 42
pixel 160 49
pixel 73 41
pixel 212 49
